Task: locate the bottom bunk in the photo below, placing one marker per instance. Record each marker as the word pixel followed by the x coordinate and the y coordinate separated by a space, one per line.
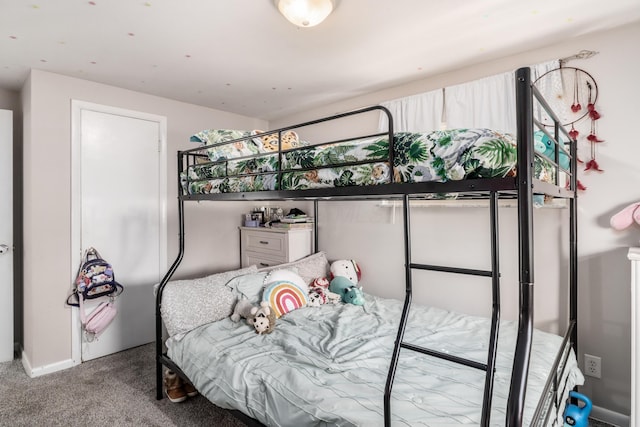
pixel 327 365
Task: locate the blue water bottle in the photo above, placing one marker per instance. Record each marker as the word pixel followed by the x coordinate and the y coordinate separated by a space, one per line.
pixel 576 416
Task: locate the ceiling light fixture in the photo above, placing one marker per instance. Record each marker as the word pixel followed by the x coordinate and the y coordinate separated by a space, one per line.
pixel 305 13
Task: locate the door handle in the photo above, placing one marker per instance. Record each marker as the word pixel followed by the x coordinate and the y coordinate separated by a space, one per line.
pixel 4 249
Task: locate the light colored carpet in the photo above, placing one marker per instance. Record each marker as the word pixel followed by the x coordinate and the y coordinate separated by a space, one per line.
pixel 116 390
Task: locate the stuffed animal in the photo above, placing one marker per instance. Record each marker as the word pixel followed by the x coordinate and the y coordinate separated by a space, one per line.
pixel 263 319
pixel 242 309
pixel 319 293
pixel 544 145
pixel 626 217
pixel 269 141
pixel 350 293
pixel 346 268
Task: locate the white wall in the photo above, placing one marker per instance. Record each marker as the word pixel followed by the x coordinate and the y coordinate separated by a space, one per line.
pixel 212 236
pixel 369 234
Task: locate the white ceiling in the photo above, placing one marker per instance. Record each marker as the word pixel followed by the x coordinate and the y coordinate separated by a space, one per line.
pixel 242 56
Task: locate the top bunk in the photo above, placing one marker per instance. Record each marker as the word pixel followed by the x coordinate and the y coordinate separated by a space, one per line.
pixel 469 163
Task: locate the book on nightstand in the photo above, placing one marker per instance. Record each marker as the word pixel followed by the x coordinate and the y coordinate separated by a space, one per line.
pixel 291 225
pixel 296 219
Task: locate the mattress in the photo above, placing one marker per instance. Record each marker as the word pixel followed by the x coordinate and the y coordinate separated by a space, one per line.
pixel 328 365
pixel 417 157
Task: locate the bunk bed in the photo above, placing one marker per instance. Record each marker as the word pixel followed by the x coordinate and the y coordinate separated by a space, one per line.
pixel 514 389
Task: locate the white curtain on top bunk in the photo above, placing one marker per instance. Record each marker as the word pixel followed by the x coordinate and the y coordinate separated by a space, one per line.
pixel 488 103
pixel 417 113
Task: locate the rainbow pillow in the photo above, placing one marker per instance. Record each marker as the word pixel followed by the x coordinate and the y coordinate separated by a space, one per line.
pixel 284 296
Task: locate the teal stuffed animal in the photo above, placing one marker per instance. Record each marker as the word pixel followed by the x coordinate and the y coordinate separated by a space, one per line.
pixel 544 145
pixel 350 293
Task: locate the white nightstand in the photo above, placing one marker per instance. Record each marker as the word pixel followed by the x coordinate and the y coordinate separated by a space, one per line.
pixel 265 247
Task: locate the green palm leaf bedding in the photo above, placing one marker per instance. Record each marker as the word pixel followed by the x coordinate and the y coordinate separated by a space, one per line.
pixel 439 156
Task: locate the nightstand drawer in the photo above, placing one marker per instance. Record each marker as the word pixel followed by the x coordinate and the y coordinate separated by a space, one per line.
pixel 251 258
pixel 268 243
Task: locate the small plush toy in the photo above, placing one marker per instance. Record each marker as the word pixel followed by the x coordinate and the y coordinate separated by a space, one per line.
pixel 346 268
pixel 262 319
pixel 626 217
pixel 350 293
pixel 345 275
pixel 319 293
pixel 544 145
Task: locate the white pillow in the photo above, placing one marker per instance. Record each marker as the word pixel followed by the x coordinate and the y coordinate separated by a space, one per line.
pixel 309 268
pixel 288 275
pixel 187 304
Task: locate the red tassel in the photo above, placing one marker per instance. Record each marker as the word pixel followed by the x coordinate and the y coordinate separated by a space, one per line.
pixel 594 115
pixel 573 133
pixel 593 138
pixel 576 107
pixel 592 164
pixel 580 186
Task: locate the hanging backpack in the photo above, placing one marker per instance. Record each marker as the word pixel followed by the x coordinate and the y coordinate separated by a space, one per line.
pixel 95 279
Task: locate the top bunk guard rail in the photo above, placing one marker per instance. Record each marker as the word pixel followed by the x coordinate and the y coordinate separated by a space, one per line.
pixel 392 189
pixel 521 187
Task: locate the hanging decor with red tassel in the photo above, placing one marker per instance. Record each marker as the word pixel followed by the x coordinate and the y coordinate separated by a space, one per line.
pixel 565 88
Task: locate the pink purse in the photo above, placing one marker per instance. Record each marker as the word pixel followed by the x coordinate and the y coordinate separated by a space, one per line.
pixel 98 320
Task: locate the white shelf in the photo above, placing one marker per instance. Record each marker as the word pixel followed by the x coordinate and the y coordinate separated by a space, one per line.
pixel 469 203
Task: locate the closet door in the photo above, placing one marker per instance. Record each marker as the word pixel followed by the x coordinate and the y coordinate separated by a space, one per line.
pixel 122 214
pixel 6 236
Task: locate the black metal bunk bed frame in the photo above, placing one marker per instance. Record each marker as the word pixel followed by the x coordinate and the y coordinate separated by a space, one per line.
pixel 522 187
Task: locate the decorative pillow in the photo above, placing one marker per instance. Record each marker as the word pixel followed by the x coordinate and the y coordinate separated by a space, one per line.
pixel 214 136
pixel 284 296
pixel 187 304
pixel 315 265
pixel 249 286
pixel 290 274
pixel 242 148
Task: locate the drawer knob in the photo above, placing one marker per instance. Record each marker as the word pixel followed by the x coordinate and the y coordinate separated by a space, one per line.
pixel 263 242
pixel 264 264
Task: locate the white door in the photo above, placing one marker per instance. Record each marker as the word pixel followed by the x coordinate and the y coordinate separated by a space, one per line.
pixel 6 235
pixel 121 184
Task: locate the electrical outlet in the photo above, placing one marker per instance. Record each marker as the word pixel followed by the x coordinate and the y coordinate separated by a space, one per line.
pixel 592 366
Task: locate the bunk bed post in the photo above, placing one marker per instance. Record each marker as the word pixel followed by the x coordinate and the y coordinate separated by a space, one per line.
pixel 165 279
pixel 573 246
pixel 405 313
pixel 524 108
pixel 315 226
pixel 495 312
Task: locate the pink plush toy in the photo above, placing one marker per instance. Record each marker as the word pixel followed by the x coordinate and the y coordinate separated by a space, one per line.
pixel 626 217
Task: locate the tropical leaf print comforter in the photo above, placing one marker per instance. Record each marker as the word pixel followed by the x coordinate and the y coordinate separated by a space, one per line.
pixel 417 157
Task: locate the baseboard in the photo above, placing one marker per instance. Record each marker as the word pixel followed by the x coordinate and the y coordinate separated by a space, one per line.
pixel 46 369
pixel 611 417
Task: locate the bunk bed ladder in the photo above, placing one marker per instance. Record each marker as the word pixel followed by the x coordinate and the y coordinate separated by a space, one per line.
pixel 489 366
